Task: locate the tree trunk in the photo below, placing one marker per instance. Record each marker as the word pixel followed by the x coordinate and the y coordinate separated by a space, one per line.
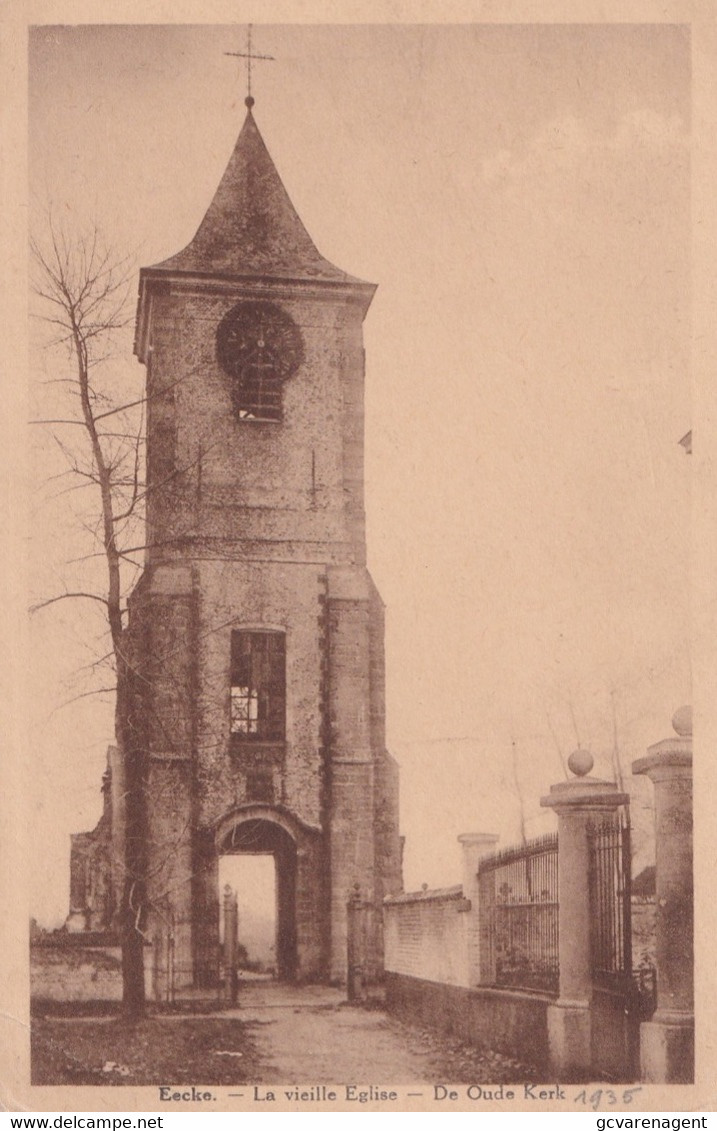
pixel 133 904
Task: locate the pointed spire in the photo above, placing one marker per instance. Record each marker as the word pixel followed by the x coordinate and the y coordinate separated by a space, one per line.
pixel 251 228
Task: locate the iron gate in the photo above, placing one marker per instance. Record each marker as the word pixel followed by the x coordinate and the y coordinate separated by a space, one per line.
pixel 615 1005
pixel 610 890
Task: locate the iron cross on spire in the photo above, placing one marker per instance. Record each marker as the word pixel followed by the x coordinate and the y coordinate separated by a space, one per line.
pixel 249 56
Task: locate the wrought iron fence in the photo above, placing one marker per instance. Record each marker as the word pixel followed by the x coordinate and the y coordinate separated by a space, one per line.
pixel 610 903
pixel 519 912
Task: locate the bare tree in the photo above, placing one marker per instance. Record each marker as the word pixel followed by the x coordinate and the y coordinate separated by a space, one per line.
pixel 616 758
pixel 518 789
pixel 84 291
pixel 558 747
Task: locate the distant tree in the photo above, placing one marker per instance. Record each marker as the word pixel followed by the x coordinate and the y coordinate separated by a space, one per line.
pixel 518 790
pixel 558 747
pixel 616 756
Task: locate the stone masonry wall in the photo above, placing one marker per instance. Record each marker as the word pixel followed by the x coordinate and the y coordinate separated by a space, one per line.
pixel 389 878
pixel 256 595
pixel 79 973
pixel 248 521
pixel 515 1024
pixel 282 485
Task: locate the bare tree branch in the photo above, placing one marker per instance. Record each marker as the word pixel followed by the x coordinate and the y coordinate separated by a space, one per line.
pixel 64 597
pixel 85 695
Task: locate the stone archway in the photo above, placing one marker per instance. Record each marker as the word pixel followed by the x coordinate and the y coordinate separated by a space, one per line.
pixel 299 850
pixel 265 835
pixel 300 884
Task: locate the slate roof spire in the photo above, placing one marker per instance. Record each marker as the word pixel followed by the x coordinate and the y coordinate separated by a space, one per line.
pixel 251 228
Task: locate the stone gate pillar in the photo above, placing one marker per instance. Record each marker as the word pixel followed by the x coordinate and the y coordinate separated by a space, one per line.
pixel 667 1042
pixel 231 940
pixel 475 846
pixel 355 945
pixel 577 802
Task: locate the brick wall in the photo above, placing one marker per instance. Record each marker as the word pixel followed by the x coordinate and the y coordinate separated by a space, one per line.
pixel 426 935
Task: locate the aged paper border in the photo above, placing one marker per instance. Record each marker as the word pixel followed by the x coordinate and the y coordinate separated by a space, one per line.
pixel 15 673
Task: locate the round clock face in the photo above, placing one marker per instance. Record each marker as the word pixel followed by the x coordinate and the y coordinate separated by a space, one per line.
pixel 259 346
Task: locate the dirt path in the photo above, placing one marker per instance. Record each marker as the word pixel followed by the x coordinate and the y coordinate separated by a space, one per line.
pixel 278 1035
pixel 309 1035
pixel 306 1035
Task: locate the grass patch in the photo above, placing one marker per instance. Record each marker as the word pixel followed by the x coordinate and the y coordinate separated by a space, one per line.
pixel 155 1050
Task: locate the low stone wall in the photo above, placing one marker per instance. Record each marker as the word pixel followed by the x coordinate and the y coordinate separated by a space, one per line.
pixel 426 935
pixel 76 973
pixel 507 1021
pixel 70 971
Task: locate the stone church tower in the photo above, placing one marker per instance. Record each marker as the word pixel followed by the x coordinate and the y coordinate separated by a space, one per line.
pixel 256 625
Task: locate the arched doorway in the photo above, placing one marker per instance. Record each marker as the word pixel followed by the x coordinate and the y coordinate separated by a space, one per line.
pixel 266 836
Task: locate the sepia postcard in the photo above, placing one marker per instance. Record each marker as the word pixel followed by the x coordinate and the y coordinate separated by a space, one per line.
pixel 360 558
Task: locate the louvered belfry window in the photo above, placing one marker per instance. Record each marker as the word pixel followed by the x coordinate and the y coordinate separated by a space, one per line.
pixel 258 686
pixel 260 346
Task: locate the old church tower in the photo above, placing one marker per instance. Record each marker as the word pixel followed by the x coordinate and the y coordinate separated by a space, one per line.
pixel 256 624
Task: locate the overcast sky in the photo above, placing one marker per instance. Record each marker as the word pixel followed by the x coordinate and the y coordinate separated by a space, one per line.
pixel 521 196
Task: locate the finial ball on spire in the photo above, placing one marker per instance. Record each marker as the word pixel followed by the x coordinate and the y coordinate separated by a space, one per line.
pixel 250 58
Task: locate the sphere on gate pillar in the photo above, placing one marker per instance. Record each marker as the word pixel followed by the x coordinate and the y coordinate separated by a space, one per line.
pixel 581 762
pixel 682 722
